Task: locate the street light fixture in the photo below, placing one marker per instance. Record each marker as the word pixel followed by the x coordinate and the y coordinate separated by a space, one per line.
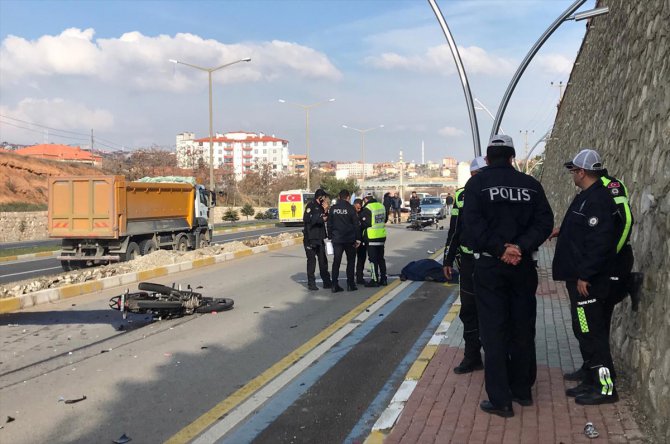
pixel 307 108
pixel 209 71
pixel 484 108
pixel 362 133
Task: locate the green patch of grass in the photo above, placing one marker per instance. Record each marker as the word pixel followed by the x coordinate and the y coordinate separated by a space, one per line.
pixel 22 206
pixel 27 250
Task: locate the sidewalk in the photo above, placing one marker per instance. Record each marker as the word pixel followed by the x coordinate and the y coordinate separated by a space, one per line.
pixel 444 407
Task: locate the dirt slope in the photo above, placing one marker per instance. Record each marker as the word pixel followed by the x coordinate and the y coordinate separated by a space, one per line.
pixel 24 179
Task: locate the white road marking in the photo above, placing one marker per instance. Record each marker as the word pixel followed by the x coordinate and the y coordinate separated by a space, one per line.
pixel 30 271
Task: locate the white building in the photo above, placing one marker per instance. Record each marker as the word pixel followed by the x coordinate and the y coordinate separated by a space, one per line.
pixel 463 173
pixel 354 169
pixel 239 151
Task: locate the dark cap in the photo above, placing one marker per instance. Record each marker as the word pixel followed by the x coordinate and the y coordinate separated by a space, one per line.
pixel 320 193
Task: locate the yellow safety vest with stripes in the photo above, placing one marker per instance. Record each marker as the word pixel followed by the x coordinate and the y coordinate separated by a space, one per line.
pixel 619 193
pixel 459 200
pixel 377 230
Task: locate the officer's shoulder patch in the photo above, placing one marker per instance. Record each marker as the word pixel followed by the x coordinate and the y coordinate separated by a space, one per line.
pixel 593 221
pixel 614 184
pixel 614 191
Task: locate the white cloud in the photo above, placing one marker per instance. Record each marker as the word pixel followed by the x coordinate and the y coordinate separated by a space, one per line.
pixel 57 113
pixel 142 61
pixel 438 59
pixel 555 63
pixel 450 131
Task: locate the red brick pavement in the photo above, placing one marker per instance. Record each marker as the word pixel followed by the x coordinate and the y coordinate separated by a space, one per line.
pixel 444 407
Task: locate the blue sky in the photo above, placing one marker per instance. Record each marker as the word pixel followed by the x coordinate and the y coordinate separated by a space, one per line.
pixel 74 66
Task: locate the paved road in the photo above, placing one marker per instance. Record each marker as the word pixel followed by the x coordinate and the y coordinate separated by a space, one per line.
pixel 33 268
pixel 153 379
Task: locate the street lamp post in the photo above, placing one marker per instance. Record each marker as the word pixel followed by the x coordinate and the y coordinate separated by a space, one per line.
pixel 484 108
pixel 362 133
pixel 209 71
pixel 307 108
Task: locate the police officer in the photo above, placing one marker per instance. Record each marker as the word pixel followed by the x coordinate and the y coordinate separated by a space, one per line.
pixel 314 233
pixel 585 258
pixel 454 250
pixel 344 231
pixel 507 218
pixel 373 219
pixel 361 251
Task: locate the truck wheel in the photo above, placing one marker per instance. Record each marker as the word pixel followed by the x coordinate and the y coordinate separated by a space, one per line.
pixel 148 246
pixel 132 252
pixel 182 244
pixel 65 265
pixel 201 240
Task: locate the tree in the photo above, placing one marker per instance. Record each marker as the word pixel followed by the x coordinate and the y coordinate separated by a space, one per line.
pixel 333 185
pixel 230 215
pixel 247 210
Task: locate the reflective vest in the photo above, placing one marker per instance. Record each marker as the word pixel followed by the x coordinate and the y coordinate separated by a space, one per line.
pixel 378 228
pixel 619 193
pixel 458 208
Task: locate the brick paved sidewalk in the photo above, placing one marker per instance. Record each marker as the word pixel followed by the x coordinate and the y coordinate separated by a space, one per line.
pixel 444 407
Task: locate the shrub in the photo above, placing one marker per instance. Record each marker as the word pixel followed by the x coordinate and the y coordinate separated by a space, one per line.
pixel 22 206
pixel 260 215
pixel 247 210
pixel 231 215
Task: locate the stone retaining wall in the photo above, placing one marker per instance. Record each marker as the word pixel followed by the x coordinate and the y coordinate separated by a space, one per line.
pixel 618 102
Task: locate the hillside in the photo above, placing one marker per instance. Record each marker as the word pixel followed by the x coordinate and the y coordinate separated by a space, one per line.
pixel 24 179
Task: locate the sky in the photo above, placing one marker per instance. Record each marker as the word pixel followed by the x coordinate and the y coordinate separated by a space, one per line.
pixel 69 67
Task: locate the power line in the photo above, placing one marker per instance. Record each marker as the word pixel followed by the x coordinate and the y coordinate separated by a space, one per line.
pixel 44 126
pixel 41 132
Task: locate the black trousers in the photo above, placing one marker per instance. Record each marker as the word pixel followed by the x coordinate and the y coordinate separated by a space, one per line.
pixel 591 317
pixel 361 255
pixel 506 306
pixel 350 251
pixel 314 253
pixel 377 262
pixel 618 289
pixel 468 313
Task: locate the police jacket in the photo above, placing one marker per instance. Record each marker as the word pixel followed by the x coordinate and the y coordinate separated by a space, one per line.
pixel 343 225
pixel 623 221
pixel 505 206
pixel 453 246
pixel 586 244
pixel 373 217
pixel 314 230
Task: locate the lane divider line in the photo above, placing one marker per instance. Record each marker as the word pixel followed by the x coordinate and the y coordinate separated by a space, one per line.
pixel 54 294
pixel 206 420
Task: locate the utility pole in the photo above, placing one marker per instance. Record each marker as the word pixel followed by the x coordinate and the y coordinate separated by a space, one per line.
pixel 525 143
pixel 402 173
pixel 560 85
pixel 92 139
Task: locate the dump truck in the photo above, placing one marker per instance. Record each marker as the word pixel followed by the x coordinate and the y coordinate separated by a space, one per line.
pixel 106 219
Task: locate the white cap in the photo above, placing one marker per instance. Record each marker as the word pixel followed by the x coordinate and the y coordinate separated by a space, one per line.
pixel 501 140
pixel 586 159
pixel 477 164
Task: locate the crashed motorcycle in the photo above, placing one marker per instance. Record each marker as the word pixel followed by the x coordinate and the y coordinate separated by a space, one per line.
pixel 163 302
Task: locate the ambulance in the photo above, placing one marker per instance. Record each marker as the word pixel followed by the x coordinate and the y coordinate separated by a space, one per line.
pixel 292 205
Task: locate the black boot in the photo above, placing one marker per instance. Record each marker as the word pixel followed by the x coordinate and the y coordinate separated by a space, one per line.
pixel 371 284
pixel 596 398
pixel 312 286
pixel 582 389
pixel 352 287
pixel 578 375
pixel 383 282
pixel 327 284
pixel 489 407
pixel 468 366
pixel 336 288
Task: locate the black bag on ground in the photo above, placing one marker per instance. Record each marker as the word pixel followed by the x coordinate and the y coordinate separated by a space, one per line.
pixel 425 270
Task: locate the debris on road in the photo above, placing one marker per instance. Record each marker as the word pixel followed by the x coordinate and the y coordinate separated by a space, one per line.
pixel 76 400
pixel 10 419
pixel 590 431
pixel 123 439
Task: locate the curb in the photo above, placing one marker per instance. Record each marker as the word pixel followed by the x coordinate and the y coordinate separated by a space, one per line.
pixel 54 294
pixel 384 425
pixel 55 253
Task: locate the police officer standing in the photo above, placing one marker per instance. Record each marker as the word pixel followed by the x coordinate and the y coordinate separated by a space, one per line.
pixel 586 258
pixel 361 251
pixel 454 250
pixel 373 219
pixel 314 233
pixel 507 218
pixel 345 233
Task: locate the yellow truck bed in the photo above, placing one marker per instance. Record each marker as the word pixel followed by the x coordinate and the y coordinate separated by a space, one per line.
pixel 108 207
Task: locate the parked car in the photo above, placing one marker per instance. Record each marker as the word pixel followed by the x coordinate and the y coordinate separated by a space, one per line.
pixel 272 213
pixel 432 208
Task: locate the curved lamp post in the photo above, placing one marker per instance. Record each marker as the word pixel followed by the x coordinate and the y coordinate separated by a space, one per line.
pixel 566 15
pixel 209 71
pixel 307 108
pixel 362 133
pixel 461 72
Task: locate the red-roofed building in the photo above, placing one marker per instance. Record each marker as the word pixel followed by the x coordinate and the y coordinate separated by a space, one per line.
pixel 240 151
pixel 62 153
